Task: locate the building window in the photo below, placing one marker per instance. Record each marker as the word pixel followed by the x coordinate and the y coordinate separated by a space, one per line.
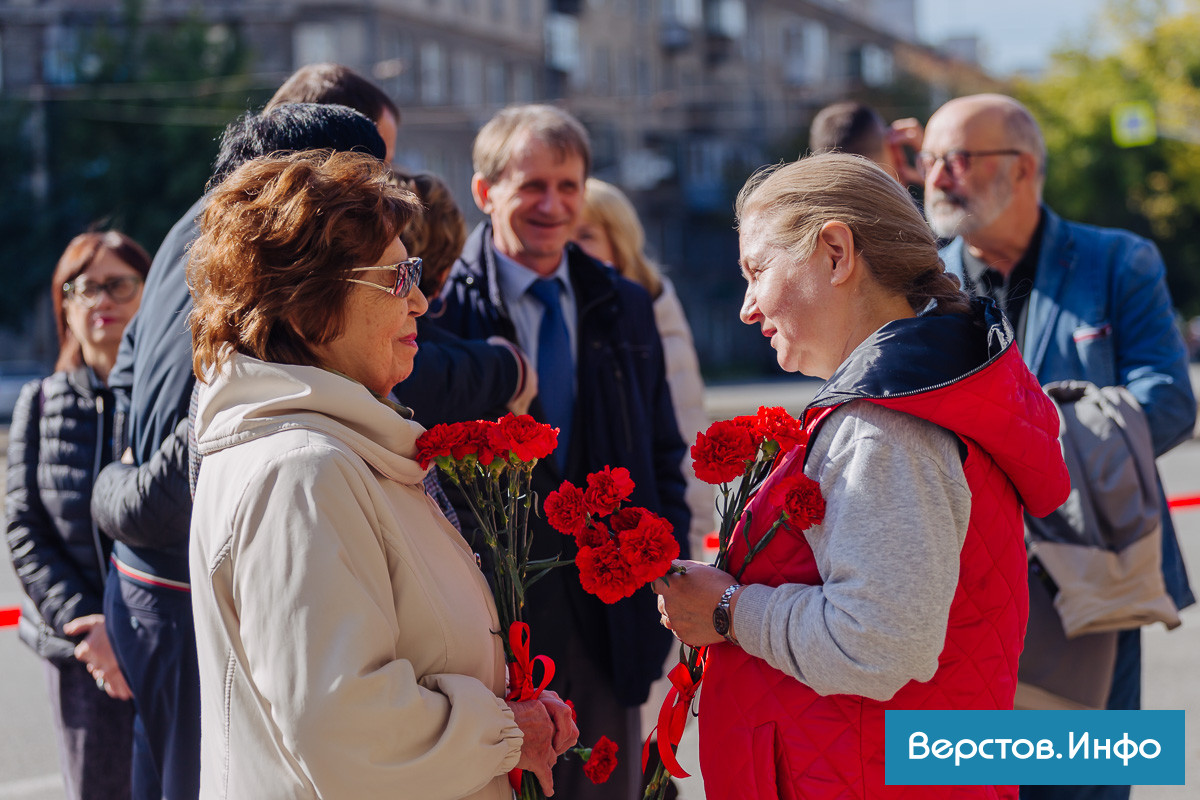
pixel 496 83
pixel 562 42
pixel 523 89
pixel 58 58
pixel 806 53
pixel 433 73
pixel 687 13
pixel 468 79
pixel 877 65
pixel 726 18
pixel 623 79
pixel 601 71
pixel 642 78
pixel 525 12
pixel 314 42
pixel 499 10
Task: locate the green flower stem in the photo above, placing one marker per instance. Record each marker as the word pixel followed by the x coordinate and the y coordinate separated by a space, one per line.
pixel 732 507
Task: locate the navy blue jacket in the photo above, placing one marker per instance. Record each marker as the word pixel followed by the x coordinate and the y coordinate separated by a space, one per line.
pixel 623 418
pixel 455 379
pixel 153 377
pixel 61 435
pixel 1100 311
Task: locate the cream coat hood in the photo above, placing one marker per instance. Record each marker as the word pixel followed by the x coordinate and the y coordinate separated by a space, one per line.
pixel 345 635
pixel 249 399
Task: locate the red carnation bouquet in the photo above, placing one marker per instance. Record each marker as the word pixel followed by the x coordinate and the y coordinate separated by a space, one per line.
pixel 492 464
pixel 620 549
pixel 737 455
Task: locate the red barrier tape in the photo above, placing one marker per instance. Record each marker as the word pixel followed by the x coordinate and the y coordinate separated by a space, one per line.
pixel 9 616
pixel 1189 501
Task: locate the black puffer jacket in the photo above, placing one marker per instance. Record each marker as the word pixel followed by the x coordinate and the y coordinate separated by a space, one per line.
pixel 60 437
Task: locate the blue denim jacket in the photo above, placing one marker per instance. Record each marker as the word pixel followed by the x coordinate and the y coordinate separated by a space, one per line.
pixel 1100 311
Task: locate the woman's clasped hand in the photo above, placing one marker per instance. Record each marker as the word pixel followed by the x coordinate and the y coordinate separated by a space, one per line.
pixel 549 730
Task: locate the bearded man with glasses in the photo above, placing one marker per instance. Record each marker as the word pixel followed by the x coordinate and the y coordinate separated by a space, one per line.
pixel 1086 303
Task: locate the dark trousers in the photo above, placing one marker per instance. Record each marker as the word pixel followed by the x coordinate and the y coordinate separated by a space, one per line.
pixel 599 713
pixel 154 640
pixel 94 732
pixel 1125 695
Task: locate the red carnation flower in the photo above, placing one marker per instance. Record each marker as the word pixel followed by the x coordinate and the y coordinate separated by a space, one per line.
pixel 594 534
pixel 565 510
pixel 478 442
pixel 649 548
pixel 721 453
pixel 750 423
pixel 602 760
pixel 801 500
pixel 439 441
pixel 780 427
pixel 526 438
pixel 627 518
pixel 604 573
pixel 606 490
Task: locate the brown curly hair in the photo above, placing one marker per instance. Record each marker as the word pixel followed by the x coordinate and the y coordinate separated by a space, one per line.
pixel 276 239
pixel 438 233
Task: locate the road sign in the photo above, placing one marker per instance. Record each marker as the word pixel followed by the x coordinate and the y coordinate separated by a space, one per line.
pixel 1133 124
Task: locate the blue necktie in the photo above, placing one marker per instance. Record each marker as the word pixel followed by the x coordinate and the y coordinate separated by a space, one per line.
pixel 555 365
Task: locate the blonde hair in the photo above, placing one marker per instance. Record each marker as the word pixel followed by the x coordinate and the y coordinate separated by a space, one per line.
pixel 795 200
pixel 494 144
pixel 607 206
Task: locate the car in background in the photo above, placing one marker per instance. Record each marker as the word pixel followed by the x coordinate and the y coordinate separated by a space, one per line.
pixel 14 375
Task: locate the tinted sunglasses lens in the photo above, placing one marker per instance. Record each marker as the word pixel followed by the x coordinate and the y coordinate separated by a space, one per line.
pixel 408 275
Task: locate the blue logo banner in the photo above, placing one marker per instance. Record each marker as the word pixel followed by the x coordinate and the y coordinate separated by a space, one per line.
pixel 940 748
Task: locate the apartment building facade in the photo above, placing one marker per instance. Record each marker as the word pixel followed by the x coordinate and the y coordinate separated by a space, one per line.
pixel 683 98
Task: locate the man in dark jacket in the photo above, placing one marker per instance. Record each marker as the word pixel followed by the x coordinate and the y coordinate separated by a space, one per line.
pixel 147 510
pixel 592 339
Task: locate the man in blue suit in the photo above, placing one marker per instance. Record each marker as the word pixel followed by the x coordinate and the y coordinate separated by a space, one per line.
pixel 1087 303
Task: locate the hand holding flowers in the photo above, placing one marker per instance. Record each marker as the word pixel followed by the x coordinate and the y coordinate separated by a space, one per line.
pixel 737 455
pixel 687 600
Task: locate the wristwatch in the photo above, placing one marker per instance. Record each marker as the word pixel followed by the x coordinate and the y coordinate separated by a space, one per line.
pixel 722 619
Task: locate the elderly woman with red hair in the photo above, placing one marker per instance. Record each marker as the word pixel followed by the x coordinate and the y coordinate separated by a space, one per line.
pixel 346 637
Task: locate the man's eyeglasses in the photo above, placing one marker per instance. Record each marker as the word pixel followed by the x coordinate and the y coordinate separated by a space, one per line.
pixel 408 275
pixel 119 290
pixel 957 161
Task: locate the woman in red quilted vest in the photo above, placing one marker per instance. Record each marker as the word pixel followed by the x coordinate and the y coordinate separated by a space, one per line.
pixel 928 439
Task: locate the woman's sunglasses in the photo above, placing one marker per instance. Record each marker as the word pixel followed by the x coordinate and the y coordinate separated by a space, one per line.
pixel 408 275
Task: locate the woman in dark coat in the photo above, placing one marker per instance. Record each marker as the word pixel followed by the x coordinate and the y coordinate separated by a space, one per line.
pixel 61 435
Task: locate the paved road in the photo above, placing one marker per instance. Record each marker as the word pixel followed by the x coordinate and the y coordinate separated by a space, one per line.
pixel 28 761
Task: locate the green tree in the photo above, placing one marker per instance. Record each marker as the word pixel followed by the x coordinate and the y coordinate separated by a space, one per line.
pixel 128 144
pixel 1141 51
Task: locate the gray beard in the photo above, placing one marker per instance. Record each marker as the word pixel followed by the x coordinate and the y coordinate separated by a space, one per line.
pixel 965 218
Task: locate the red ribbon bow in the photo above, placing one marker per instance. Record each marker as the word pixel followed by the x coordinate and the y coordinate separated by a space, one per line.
pixel 520 670
pixel 673 715
pixel 520 678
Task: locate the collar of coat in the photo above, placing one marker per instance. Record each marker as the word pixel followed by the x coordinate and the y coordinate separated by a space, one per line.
pixel 595 284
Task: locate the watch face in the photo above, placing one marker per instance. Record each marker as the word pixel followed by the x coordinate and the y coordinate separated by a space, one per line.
pixel 721 620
